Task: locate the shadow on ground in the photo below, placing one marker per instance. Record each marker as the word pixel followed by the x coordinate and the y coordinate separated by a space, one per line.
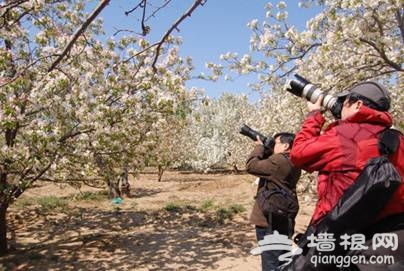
pixel 90 239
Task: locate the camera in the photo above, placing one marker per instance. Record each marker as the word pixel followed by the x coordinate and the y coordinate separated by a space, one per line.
pixel 268 142
pixel 301 87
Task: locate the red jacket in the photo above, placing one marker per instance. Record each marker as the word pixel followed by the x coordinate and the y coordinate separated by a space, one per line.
pixel 340 153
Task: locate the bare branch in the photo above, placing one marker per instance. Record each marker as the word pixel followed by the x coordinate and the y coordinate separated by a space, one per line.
pixel 158 9
pixel 175 26
pixel 133 9
pixel 145 28
pixel 166 35
pixel 143 5
pixel 124 30
pixel 305 52
pixel 141 52
pixel 31 180
pixel 79 31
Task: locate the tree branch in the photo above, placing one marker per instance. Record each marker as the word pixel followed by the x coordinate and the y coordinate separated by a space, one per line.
pixel 72 134
pixel 382 54
pixel 12 4
pixel 78 32
pixel 133 9
pixel 158 9
pixel 145 28
pixel 124 30
pixel 175 26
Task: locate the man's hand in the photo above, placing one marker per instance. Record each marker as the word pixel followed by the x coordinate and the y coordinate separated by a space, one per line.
pixel 258 141
pixel 315 106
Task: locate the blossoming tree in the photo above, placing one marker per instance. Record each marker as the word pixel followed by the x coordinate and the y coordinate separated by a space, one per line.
pixel 347 42
pixel 76 111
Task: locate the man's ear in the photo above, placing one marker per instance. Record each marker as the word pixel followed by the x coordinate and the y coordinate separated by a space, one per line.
pixel 359 104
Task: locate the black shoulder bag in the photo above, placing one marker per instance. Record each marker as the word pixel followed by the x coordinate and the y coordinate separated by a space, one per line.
pixel 279 200
pixel 360 204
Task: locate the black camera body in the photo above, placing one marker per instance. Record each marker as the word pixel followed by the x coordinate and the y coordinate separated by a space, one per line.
pixel 301 87
pixel 268 142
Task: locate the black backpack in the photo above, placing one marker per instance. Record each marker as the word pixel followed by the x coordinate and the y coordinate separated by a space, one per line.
pixel 371 191
pixel 360 204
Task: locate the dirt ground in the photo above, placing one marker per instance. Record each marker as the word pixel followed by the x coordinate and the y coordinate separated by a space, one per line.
pixel 186 222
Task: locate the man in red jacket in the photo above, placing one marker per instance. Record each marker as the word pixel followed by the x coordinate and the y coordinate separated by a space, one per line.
pixel 341 151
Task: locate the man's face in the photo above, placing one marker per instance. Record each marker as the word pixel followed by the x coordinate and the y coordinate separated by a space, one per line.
pixel 350 108
pixel 279 146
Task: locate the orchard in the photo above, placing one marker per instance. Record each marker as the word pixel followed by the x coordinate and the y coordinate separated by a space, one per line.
pixel 79 109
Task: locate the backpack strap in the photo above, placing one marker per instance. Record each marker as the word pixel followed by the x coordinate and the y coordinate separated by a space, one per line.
pixel 270 222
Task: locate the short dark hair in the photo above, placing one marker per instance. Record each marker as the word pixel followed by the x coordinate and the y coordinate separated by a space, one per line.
pixel 285 137
pixel 384 103
pixel 372 94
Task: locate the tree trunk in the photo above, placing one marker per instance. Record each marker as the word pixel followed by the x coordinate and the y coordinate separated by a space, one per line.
pixel 113 187
pixel 235 169
pixel 108 175
pixel 3 229
pixel 160 172
pixel 124 181
pixel 10 135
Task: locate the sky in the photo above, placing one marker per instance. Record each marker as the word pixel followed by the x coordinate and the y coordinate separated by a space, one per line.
pixel 217 27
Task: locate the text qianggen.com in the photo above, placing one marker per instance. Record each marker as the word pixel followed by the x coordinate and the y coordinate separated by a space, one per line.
pixel 346 261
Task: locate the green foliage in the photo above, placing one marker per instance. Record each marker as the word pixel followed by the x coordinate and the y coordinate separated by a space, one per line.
pixel 223 213
pixel 178 206
pixel 207 204
pixel 23 203
pixel 91 196
pixel 50 203
pixel 237 208
pixel 172 207
pixel 117 209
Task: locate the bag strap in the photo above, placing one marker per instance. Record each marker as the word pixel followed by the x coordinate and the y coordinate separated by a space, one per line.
pixel 270 222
